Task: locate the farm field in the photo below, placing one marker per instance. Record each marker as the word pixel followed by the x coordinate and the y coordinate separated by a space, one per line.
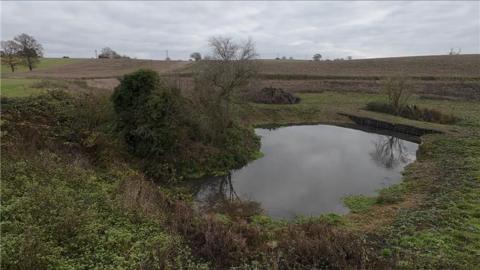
pixel 45 63
pixel 427 67
pixel 448 76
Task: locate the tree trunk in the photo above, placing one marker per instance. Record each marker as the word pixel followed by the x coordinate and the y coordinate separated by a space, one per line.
pixel 29 62
pixel 13 68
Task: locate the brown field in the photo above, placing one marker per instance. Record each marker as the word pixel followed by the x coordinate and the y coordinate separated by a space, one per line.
pixel 416 66
pixel 438 76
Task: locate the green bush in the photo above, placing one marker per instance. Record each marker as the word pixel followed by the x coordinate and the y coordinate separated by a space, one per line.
pixel 159 129
pixel 151 120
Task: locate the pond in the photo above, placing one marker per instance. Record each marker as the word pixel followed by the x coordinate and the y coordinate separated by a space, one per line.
pixel 308 170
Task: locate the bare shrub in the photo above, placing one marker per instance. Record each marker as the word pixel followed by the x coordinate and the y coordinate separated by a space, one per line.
pixel 398 91
pixel 219 78
pixel 317 245
pixel 138 194
pixel 218 241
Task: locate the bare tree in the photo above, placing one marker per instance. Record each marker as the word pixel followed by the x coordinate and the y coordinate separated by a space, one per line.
pixel 455 52
pixel 196 56
pixel 389 152
pixel 30 49
pixel 317 57
pixel 398 91
pixel 222 74
pixel 108 53
pixel 10 54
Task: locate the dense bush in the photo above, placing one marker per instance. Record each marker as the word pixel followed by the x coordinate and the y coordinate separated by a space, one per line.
pixel 151 119
pixel 413 112
pixel 160 129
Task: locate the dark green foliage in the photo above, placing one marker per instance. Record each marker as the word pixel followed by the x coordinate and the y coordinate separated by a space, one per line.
pixel 132 94
pixel 413 112
pixel 159 128
pixel 151 119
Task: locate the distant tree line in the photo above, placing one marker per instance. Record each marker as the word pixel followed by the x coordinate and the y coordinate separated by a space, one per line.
pixel 109 53
pixel 22 50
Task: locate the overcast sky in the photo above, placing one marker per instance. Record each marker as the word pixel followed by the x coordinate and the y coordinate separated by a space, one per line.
pixel 296 29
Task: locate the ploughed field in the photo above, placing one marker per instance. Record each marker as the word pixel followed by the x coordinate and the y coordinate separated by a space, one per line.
pixel 453 77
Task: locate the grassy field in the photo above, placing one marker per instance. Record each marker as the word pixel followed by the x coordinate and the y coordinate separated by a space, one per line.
pixel 324 107
pixel 19 87
pixel 99 68
pixel 45 63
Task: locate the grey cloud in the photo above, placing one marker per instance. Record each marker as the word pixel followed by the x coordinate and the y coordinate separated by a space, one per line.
pixel 297 29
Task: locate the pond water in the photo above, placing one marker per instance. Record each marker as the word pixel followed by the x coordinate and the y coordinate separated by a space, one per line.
pixel 308 170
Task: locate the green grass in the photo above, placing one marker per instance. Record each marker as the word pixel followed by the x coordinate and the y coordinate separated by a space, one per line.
pixel 44 63
pixel 19 88
pixel 359 203
pixel 324 107
pixel 444 230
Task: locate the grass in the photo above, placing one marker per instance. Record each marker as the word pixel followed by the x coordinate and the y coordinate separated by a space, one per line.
pixel 359 203
pixel 324 107
pixel 44 63
pixel 19 88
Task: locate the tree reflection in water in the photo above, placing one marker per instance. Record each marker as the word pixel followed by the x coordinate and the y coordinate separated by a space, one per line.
pixel 389 152
pixel 218 195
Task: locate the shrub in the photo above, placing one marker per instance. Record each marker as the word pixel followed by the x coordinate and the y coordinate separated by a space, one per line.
pixel 398 91
pixel 413 112
pixel 271 95
pixel 151 120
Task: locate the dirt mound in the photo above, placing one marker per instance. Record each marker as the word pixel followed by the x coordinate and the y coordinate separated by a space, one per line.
pixel 271 95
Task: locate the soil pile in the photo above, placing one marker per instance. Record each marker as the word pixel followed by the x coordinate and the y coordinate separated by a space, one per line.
pixel 271 95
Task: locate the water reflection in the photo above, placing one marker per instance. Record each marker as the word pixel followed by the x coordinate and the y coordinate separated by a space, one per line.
pixel 217 189
pixel 390 152
pixel 307 170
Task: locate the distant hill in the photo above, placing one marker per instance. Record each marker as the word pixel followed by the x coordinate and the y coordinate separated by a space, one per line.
pixel 466 66
pixel 415 66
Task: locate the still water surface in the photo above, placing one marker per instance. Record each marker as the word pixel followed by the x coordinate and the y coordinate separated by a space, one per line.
pixel 308 170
